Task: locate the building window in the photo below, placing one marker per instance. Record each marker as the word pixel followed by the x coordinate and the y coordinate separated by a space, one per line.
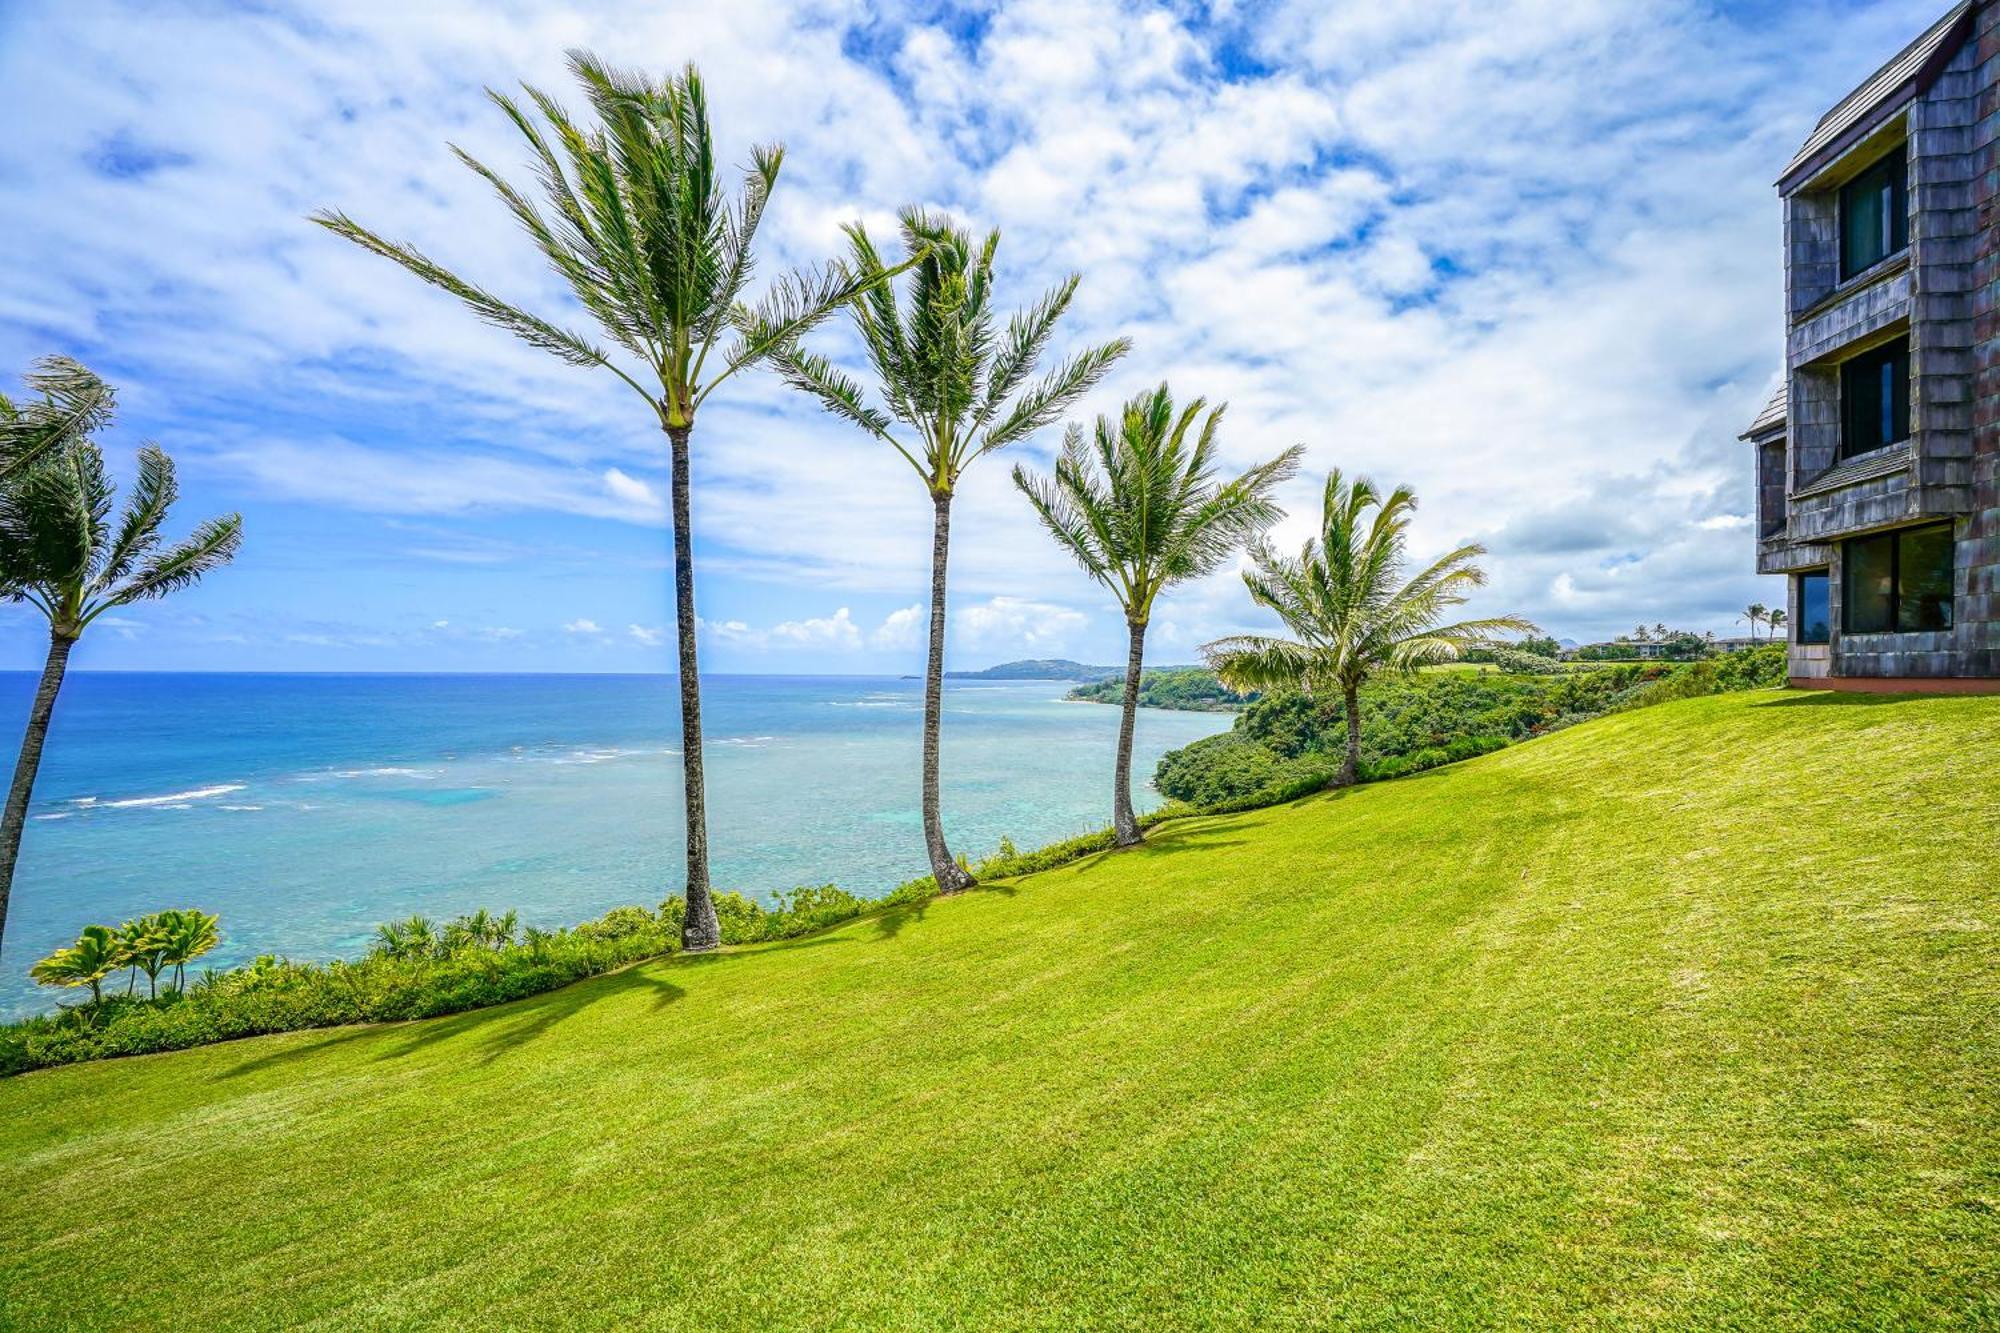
pixel 1875 398
pixel 1898 582
pixel 1812 622
pixel 1874 214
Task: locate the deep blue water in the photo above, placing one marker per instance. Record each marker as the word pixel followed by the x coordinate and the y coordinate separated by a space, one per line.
pixel 305 809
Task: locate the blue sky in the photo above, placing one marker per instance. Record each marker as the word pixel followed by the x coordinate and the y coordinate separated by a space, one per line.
pixel 1523 256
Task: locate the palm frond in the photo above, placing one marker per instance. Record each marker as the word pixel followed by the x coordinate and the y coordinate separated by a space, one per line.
pixel 1037 407
pixel 531 329
pixel 74 404
pixel 793 306
pixel 211 545
pixel 153 494
pixel 1247 662
pixel 1027 337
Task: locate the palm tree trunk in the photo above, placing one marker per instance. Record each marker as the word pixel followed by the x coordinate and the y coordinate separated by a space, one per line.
pixel 1125 828
pixel 699 930
pixel 950 877
pixel 30 763
pixel 1350 767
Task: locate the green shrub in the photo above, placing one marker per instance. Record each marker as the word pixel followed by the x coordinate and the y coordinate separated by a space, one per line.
pixel 1517 663
pixel 276 995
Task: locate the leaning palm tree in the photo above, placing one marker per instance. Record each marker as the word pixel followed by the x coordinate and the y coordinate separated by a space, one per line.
pixel 1776 621
pixel 96 954
pixel 639 226
pixel 1140 509
pixel 958 388
pixel 1355 614
pixel 189 934
pixel 60 555
pixel 143 945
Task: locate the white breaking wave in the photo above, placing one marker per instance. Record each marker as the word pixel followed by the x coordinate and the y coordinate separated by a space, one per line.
pixel 390 772
pixel 57 814
pixel 177 799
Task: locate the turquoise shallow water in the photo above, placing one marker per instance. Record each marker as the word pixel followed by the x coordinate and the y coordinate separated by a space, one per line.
pixel 305 809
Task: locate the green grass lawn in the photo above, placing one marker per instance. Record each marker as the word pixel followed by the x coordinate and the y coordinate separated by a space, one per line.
pixel 1689 1016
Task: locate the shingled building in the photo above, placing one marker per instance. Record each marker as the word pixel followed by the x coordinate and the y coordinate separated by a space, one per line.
pixel 1878 459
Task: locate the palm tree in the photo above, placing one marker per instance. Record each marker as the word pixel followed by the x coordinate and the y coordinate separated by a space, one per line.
pixel 1140 509
pixel 639 226
pixel 1776 621
pixel 958 387
pixel 143 947
pixel 1756 614
pixel 59 554
pixel 1346 598
pixel 188 935
pixel 96 954
pixel 412 937
pixel 480 930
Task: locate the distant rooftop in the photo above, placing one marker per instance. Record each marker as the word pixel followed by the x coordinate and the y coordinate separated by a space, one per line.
pixel 1895 82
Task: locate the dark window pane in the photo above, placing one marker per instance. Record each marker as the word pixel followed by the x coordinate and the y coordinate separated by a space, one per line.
pixel 1875 398
pixel 1869 574
pixel 1813 622
pixel 1923 570
pixel 1874 214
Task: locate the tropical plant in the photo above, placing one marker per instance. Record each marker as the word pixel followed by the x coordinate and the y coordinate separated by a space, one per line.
pixel 60 554
pixel 480 930
pixel 1140 509
pixel 958 387
pixel 412 937
pixel 96 954
pixel 188 933
pixel 639 226
pixel 1776 621
pixel 1354 613
pixel 143 946
pixel 1756 614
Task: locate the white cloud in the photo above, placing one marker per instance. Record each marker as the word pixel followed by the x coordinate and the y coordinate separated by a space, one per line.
pixel 901 628
pixel 1017 623
pixel 1520 255
pixel 630 490
pixel 582 626
pixel 648 635
pixel 835 631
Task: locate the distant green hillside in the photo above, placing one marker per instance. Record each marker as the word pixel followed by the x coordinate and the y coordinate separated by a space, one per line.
pixel 1189 688
pixel 1685 1017
pixel 1050 668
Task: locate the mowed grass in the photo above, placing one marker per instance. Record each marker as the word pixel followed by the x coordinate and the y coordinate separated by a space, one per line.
pixel 1684 1017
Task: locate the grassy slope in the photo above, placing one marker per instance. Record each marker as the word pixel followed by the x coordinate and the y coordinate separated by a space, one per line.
pixel 1688 1015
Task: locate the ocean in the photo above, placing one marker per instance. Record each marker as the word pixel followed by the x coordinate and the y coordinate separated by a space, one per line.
pixel 305 809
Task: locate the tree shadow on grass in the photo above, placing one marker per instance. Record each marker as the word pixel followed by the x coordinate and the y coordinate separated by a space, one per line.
pixel 1186 840
pixel 516 1023
pixel 889 924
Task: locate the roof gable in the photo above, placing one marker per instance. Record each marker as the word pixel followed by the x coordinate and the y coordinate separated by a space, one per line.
pixel 1908 73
